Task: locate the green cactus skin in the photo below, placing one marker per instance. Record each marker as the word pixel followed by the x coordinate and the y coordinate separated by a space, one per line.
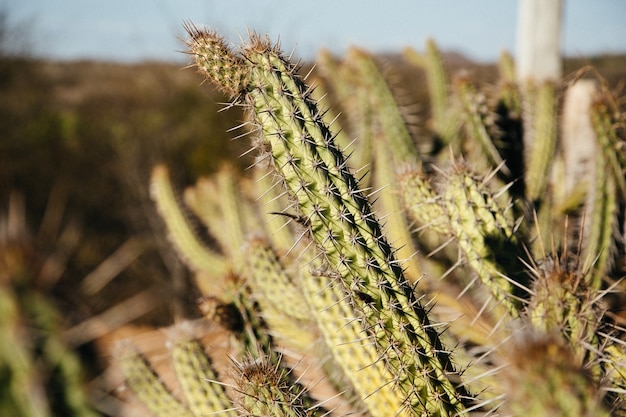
pixel 381 120
pixel 342 224
pixel 348 90
pixel 608 123
pixel 266 390
pixel 562 303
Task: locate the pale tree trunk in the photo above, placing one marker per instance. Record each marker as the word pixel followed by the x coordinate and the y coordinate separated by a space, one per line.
pixel 539 40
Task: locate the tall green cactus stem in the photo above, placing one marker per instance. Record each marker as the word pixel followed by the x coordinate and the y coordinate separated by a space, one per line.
pixel 600 244
pixel 540 132
pixel 484 234
pixel 344 227
pixel 191 249
pixel 608 124
pixel 266 390
pixel 506 68
pixel 609 185
pixel 445 123
pixel 387 118
pixel 475 114
pixel 349 90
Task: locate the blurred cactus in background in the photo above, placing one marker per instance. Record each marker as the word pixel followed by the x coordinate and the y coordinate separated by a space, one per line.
pixel 451 268
pixel 40 373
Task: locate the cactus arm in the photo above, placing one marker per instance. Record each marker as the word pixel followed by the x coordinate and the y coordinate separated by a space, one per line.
pixel 194 252
pixel 484 235
pixel 539 110
pixel 393 147
pixel 609 185
pixel 422 201
pixel 444 118
pixel 198 381
pixel 477 125
pixel 289 322
pixel 144 382
pixel 541 380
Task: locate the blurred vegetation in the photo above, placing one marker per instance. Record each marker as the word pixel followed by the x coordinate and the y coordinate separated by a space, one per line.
pixel 79 139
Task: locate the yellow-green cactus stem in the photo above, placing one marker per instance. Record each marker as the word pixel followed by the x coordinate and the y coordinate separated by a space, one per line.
pixel 387 117
pixel 600 242
pixel 191 249
pixel 444 120
pixel 608 123
pixel 350 92
pixel 277 294
pixel 614 361
pixel 540 133
pixel 265 389
pixel 506 67
pixel 485 235
pixel 145 383
pixel 600 247
pixel 341 222
pixel 204 394
pixel 22 396
pixel 393 147
pixel 223 68
pixel 476 119
pixel 422 202
pixel 354 353
pixel 562 303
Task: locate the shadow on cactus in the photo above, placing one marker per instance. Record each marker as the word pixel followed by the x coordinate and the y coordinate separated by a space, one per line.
pixel 504 306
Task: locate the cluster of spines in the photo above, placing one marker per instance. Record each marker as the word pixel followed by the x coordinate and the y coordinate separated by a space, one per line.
pixel 266 390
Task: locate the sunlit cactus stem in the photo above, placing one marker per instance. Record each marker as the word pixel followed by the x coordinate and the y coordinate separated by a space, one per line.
pixel 342 224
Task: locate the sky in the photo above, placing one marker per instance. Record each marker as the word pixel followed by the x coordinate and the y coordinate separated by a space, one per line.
pixel 136 30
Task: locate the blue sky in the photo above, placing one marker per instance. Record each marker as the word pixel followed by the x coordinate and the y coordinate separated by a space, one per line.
pixel 133 30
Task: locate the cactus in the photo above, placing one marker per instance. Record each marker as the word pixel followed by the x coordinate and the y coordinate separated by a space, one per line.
pixel 328 319
pixel 40 374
